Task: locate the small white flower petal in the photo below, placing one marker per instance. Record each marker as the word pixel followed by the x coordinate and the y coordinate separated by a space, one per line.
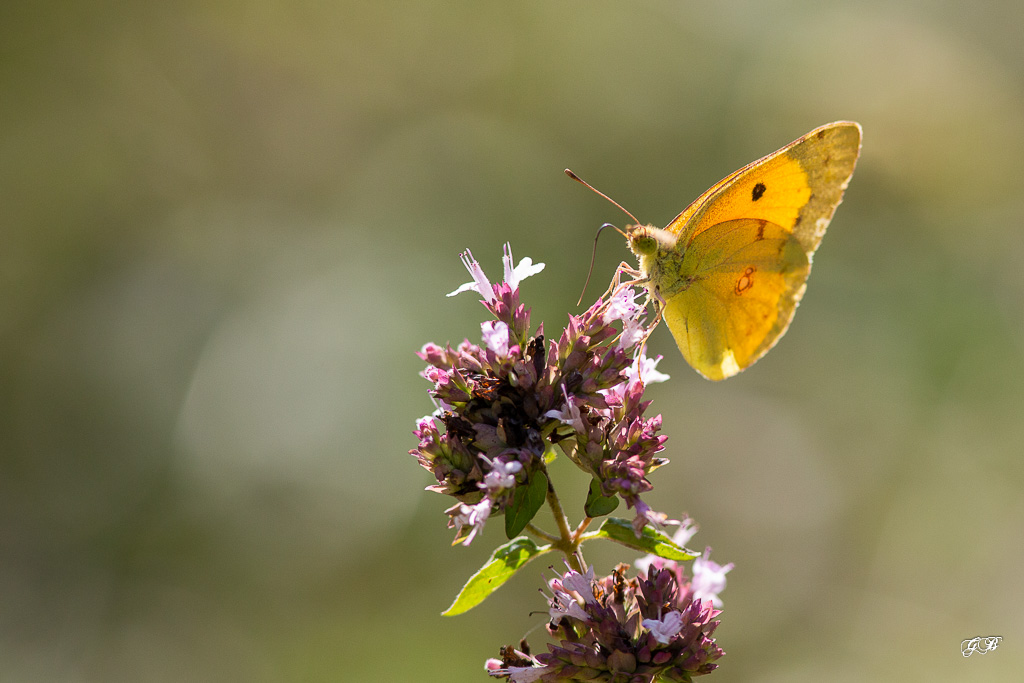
pixel 513 276
pixel 495 335
pixel 566 606
pixel 502 476
pixel 645 369
pixel 463 288
pixel 632 332
pixel 506 261
pixel 480 282
pixel 525 269
pixel 665 628
pixel 473 516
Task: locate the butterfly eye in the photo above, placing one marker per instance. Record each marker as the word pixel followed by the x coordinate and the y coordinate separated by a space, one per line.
pixel 642 242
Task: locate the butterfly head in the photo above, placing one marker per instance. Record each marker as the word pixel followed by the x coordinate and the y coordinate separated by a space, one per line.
pixel 646 240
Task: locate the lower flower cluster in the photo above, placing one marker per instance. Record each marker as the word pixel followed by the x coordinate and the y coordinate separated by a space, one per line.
pixel 620 630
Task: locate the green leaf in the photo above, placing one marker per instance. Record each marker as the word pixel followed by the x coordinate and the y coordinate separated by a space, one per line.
pixel 599 505
pixel 650 541
pixel 526 501
pixel 506 560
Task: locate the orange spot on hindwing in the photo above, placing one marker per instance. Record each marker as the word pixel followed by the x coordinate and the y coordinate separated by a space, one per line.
pixel 746 280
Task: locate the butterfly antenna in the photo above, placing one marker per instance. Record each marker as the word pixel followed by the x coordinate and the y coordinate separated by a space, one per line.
pixel 585 183
pixel 593 257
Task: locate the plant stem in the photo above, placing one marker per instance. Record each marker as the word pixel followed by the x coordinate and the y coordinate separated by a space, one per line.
pixel 581 529
pixel 541 534
pixel 567 543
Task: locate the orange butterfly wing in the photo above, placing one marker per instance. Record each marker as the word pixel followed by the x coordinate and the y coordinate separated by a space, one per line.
pixel 744 250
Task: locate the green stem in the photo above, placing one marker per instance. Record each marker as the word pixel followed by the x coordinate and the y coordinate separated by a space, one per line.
pixel 541 534
pixel 569 545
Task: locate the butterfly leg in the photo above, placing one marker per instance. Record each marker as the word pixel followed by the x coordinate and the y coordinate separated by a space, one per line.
pixel 615 284
pixel 659 304
pixel 639 278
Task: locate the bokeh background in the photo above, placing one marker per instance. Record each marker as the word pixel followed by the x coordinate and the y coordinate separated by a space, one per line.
pixel 226 227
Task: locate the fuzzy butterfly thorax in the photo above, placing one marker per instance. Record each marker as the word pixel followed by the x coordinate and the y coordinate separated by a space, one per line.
pixel 659 256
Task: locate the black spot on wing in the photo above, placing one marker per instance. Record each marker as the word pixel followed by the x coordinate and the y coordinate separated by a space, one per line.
pixel 758 191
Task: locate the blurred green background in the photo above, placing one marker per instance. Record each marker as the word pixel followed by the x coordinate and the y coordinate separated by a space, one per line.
pixel 226 227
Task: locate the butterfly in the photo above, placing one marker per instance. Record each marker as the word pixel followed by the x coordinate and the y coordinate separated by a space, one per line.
pixel 728 272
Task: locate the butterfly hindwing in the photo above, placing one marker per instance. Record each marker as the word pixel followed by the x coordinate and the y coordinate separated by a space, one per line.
pixel 745 279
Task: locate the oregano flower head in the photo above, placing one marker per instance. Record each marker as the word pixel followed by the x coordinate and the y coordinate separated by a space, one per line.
pixel 636 630
pixel 506 403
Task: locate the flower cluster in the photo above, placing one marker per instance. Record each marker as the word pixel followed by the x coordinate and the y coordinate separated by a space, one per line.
pixel 636 630
pixel 505 404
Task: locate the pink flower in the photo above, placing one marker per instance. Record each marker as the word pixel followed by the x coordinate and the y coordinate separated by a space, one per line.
pixel 570 414
pixel 581 584
pixel 513 276
pixel 632 332
pixel 472 516
pixel 502 476
pixel 622 306
pixel 495 334
pixel 709 578
pixel 645 515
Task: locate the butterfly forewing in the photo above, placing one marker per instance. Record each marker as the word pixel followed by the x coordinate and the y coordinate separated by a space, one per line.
pixel 797 187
